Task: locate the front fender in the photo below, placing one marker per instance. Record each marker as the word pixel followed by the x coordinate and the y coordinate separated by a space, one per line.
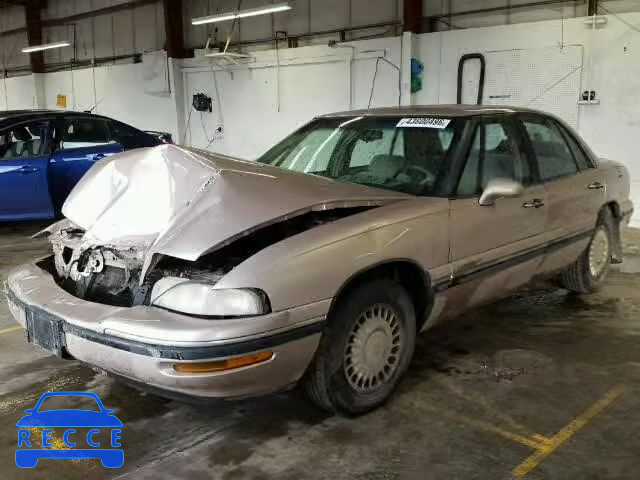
pixel 313 265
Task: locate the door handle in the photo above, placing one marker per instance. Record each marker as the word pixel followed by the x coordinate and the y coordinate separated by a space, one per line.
pixel 26 169
pixel 535 203
pixel 98 156
pixel 595 186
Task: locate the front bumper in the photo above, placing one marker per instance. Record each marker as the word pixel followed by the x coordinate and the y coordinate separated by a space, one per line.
pixel 144 343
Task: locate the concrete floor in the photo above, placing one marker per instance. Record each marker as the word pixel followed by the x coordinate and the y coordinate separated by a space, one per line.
pixel 543 385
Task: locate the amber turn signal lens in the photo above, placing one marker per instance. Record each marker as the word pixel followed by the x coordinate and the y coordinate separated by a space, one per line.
pixel 222 365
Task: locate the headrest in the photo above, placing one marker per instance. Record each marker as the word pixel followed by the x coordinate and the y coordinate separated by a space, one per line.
pixel 386 166
pixel 21 133
pixel 423 141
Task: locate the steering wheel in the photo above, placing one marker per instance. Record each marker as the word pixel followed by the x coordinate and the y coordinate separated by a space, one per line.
pixel 427 176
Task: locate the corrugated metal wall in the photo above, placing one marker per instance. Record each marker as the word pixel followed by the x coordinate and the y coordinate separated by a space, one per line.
pixel 12 17
pixel 306 16
pixel 131 30
pixel 513 11
pixel 136 29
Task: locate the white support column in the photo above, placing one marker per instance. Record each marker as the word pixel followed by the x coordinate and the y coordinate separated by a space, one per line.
pixel 39 97
pixel 176 82
pixel 405 69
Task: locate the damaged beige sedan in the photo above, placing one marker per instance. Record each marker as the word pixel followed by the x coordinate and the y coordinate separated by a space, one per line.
pixel 192 273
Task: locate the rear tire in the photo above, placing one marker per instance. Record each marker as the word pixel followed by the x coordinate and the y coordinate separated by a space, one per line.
pixel 365 349
pixel 589 273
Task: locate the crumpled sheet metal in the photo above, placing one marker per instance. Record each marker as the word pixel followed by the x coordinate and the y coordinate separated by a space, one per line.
pixel 185 203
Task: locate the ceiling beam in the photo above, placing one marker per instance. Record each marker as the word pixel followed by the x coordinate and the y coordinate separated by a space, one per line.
pixel 174 41
pixel 412 16
pixel 34 33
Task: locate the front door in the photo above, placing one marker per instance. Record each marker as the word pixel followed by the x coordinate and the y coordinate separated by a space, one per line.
pixel 81 142
pixel 24 163
pixel 493 247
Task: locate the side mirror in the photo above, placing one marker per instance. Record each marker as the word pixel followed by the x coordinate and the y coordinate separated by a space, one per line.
pixel 500 188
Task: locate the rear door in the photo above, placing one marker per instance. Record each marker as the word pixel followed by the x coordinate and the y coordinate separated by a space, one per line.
pixel 24 162
pixel 575 189
pixel 493 246
pixel 81 142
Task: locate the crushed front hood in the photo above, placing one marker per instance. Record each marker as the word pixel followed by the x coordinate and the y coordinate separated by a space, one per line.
pixel 185 203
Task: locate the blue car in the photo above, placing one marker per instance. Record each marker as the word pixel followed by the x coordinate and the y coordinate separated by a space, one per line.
pixel 100 418
pixel 43 154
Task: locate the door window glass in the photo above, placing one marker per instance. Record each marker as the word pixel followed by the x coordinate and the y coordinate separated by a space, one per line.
pixel 85 132
pixel 23 141
pixel 553 155
pixel 495 153
pixel 578 153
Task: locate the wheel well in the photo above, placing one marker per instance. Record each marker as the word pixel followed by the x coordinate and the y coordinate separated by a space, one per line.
pixel 407 274
pixel 616 248
pixel 615 209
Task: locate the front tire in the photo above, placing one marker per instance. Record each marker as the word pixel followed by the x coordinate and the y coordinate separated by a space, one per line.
pixel 589 273
pixel 365 349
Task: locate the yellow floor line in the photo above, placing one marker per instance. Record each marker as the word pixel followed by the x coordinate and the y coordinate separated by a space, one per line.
pixel 531 442
pixel 477 400
pixel 10 329
pixel 545 449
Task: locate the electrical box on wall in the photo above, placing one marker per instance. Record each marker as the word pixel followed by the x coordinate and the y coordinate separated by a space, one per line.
pixel 202 103
pixel 588 97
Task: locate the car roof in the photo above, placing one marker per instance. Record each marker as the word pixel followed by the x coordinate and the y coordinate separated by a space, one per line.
pixel 21 115
pixel 434 110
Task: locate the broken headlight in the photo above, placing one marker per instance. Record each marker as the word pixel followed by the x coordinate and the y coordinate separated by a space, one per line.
pixel 195 298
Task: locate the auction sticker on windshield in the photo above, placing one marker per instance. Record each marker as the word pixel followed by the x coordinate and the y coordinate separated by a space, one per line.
pixel 424 122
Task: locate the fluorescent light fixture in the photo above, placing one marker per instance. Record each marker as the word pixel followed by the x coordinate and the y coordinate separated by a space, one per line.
pixel 249 12
pixel 46 46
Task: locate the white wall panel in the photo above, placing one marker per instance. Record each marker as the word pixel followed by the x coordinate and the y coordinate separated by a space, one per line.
pixel 17 93
pixel 119 92
pixel 248 108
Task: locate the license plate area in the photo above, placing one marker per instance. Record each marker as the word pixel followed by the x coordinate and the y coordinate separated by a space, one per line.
pixel 44 331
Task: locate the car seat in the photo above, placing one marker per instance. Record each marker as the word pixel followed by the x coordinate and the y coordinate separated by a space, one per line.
pixel 19 147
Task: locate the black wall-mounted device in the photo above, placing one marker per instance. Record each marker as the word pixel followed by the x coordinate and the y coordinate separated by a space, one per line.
pixel 202 102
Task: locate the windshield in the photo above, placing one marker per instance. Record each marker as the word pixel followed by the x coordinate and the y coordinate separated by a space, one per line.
pixel 395 153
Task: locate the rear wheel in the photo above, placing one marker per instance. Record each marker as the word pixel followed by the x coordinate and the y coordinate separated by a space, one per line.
pixel 365 349
pixel 589 273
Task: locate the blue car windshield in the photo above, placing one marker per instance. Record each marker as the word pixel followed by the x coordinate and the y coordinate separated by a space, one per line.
pixel 77 402
pixel 402 154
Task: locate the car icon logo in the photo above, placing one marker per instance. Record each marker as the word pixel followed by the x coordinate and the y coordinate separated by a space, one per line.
pixel 65 421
